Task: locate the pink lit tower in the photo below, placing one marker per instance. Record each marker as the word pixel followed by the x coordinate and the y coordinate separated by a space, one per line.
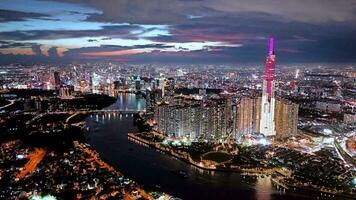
pixel 267 125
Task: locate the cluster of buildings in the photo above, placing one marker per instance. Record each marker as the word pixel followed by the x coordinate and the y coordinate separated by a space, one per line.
pixel 194 118
pixel 187 103
pixel 242 100
pixel 77 173
pixel 329 173
pixel 284 121
pixel 219 116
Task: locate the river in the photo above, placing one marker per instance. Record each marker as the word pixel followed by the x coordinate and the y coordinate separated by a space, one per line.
pixel 108 135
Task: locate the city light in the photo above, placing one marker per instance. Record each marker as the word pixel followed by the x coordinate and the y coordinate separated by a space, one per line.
pixel 223 97
pixel 46 197
pixel 263 141
pixel 327 131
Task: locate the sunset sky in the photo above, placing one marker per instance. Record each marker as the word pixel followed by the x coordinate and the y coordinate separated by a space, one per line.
pixel 177 31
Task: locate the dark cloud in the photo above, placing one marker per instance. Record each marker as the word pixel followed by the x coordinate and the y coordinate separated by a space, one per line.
pixel 176 11
pixel 107 38
pixel 11 44
pixel 114 31
pixel 92 40
pixel 76 53
pixel 139 12
pixel 145 46
pixel 36 49
pixel 11 15
pixel 53 53
pixel 315 11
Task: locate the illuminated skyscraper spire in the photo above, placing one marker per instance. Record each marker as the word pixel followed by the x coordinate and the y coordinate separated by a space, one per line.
pixel 267 126
pixel 269 71
pixel 271 46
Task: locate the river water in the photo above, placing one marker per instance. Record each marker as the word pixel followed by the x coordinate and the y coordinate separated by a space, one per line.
pixel 108 135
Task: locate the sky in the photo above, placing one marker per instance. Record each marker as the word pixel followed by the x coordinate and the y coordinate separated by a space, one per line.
pixel 177 31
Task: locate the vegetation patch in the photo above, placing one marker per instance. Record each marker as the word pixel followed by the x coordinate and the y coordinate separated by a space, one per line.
pixel 218 157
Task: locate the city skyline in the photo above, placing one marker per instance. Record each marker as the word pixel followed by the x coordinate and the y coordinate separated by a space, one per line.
pixel 178 32
pixel 177 99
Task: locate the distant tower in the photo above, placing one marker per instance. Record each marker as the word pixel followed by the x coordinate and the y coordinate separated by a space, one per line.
pixel 267 125
pixel 91 83
pixel 57 80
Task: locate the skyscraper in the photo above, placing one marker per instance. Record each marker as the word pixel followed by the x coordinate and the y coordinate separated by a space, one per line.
pixel 248 116
pixel 57 79
pixel 267 125
pixel 286 118
pixel 186 116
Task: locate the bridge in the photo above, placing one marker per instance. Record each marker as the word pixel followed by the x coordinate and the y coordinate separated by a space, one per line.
pixel 11 102
pixel 74 113
pixel 121 111
pixel 116 111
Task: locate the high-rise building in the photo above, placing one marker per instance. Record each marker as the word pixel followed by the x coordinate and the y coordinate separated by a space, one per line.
pixel 138 84
pixel 248 116
pixel 83 86
pixel 215 118
pixel 193 118
pixel 1 86
pixel 66 92
pixel 160 84
pixel 286 118
pixel 46 81
pixel 57 79
pixel 169 87
pixel 267 124
pixel 150 101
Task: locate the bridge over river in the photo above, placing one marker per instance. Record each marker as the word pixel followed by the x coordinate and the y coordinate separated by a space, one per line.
pixel 129 112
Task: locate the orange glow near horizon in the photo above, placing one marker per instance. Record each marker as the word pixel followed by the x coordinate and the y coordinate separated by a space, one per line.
pixel 61 51
pixel 17 51
pixel 116 53
pixel 29 51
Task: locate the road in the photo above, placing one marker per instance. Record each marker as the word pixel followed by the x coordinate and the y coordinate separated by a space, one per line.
pixel 35 158
pixel 7 105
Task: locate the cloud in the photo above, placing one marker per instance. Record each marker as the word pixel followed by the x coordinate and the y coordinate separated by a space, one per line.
pixel 310 11
pixel 92 40
pixel 184 31
pixel 105 50
pixel 11 44
pixel 139 12
pixel 36 49
pixel 11 15
pixel 177 11
pixel 52 52
pixel 112 31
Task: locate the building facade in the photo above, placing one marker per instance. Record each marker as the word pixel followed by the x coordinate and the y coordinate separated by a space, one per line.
pixel 248 117
pixel 196 119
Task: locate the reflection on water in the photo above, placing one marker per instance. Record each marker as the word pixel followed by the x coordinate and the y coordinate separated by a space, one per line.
pixel 102 118
pixel 129 101
pixel 264 187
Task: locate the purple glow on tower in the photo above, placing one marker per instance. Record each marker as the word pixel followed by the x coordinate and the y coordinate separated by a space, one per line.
pixel 271 46
pixel 269 72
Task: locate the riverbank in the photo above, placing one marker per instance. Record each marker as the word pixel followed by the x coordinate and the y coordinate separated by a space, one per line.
pixel 186 158
pixel 277 180
pixel 135 192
